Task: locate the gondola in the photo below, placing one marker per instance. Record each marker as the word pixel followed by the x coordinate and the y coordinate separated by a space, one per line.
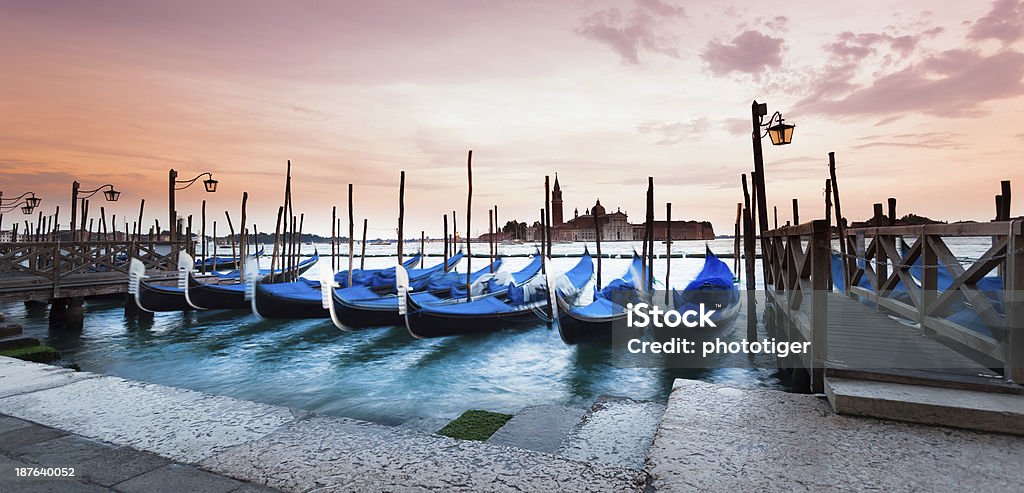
pixel 155 298
pixel 222 263
pixel 303 298
pixel 232 296
pixel 716 288
pixel 520 304
pixel 358 307
pixel 595 321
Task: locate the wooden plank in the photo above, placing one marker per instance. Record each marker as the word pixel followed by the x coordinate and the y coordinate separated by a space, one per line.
pixel 1014 364
pixel 995 228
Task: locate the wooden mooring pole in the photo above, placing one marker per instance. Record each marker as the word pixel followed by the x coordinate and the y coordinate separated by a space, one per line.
pixel 668 250
pixel 351 237
pixel 362 247
pixel 401 215
pixel 469 230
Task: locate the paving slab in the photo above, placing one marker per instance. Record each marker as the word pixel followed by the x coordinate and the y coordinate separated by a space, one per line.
pixel 19 377
pixel 615 431
pixel 174 478
pixel 183 425
pixel 64 451
pixel 328 454
pixel 8 423
pixel 15 439
pixel 119 465
pixel 539 428
pixel 986 411
pixel 720 438
pixel 425 425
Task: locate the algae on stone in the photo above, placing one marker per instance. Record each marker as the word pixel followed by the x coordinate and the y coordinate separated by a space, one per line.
pixel 475 425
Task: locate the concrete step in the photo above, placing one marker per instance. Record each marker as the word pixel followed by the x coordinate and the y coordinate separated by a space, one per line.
pixel 538 428
pixel 425 425
pixel 616 431
pixel 8 329
pixel 17 342
pixel 973 410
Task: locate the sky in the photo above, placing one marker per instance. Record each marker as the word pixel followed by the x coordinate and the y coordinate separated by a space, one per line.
pixel 920 100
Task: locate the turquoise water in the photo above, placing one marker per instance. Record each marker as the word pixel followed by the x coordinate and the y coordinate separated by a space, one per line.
pixel 381 374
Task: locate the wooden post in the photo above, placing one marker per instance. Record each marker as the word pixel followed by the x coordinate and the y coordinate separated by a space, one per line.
pixel 736 240
pixel 455 234
pixel 401 216
pixel 1014 278
pixel 668 250
pixel 820 251
pixel 362 248
pixel 469 230
pixel 881 261
pixel 497 229
pixel 231 229
pixel 796 212
pixel 243 241
pixel 352 237
pixel 202 234
pixel 277 239
pixel 1005 193
pixel 423 245
pixel 761 207
pixel 775 211
pixel 334 234
pixel 748 232
pixel 543 265
pixel 843 250
pixel 298 247
pixel 650 234
pixel 444 254
pixel 892 211
pixel 597 238
pixel 547 213
pixel 490 237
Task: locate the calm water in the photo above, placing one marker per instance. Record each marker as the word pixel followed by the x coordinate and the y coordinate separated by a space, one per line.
pixel 383 374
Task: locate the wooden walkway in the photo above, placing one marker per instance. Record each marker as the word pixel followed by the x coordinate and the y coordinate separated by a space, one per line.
pixel 861 339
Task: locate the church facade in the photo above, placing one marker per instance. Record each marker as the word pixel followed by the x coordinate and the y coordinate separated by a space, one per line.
pixel 615 226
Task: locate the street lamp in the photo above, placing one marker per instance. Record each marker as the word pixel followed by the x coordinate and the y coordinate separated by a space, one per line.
pixel 174 184
pixel 780 133
pixel 27 201
pixel 110 194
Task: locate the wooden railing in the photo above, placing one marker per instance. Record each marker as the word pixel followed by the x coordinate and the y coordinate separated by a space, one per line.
pixel 873 253
pixel 36 263
pixel 797 265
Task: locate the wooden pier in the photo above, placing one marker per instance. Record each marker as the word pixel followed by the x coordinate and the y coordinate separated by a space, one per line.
pixel 53 270
pixel 851 330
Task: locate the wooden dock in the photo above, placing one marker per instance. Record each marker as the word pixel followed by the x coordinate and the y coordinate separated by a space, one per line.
pixel 874 334
pixel 48 270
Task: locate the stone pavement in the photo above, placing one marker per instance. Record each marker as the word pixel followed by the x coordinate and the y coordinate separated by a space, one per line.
pixel 97 466
pixel 718 438
pixel 275 446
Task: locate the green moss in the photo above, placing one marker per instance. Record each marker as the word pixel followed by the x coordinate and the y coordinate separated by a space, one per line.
pixel 475 425
pixel 38 354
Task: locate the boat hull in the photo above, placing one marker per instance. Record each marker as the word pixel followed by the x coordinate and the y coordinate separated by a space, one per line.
pixel 425 325
pixel 154 299
pixel 267 305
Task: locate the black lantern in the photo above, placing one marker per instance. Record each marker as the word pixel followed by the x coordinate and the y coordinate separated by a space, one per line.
pixel 781 133
pixel 111 195
pixel 26 209
pixel 210 184
pixel 32 202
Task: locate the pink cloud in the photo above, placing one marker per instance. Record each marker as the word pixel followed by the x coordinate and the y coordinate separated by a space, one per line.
pixel 627 35
pixel 952 83
pixel 751 53
pixel 1005 22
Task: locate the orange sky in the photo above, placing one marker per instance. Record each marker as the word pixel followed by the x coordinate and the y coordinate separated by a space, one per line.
pixel 923 103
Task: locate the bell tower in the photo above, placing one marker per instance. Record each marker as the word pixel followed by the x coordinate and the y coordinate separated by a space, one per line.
pixel 556 203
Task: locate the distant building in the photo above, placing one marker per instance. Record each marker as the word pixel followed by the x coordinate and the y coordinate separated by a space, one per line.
pixel 616 226
pixel 6 236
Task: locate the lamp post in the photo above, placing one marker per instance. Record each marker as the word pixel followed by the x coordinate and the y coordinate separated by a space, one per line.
pixel 110 194
pixel 26 201
pixel 780 133
pixel 173 184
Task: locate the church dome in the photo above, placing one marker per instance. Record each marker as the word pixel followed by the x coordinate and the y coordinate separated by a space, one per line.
pixel 598 209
